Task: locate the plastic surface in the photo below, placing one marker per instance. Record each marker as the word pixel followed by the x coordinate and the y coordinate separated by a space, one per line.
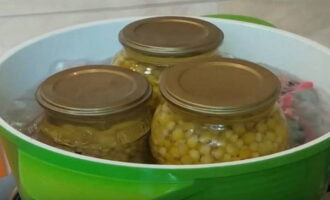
pixel 242 18
pixel 43 173
pixel 301 173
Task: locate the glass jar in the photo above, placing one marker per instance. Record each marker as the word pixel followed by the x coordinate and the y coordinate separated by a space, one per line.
pixel 153 44
pixel 217 110
pixel 99 111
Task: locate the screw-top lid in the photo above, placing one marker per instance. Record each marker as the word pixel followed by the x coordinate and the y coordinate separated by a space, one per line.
pixel 93 90
pixel 171 36
pixel 220 86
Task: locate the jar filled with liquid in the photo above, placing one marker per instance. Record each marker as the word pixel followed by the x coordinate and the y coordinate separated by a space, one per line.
pixel 99 111
pixel 217 110
pixel 154 44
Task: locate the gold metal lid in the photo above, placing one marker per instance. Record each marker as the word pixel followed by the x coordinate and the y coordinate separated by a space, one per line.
pixel 93 90
pixel 171 36
pixel 220 86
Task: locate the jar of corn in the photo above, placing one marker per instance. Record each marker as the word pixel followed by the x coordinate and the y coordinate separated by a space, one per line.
pixel 217 110
pixel 99 111
pixel 153 44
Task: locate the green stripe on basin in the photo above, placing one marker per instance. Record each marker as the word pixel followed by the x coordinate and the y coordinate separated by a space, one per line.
pixel 242 18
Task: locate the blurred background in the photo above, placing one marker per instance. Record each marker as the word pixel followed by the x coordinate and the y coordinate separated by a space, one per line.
pixel 24 19
pixel 21 20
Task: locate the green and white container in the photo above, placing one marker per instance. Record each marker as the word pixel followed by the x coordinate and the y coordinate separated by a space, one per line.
pixel 44 172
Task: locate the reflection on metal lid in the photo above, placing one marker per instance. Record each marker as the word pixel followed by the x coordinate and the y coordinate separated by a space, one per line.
pixel 93 90
pixel 220 86
pixel 171 36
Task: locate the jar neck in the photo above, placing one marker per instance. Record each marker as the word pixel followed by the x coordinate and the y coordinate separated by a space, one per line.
pixel 225 119
pixel 164 61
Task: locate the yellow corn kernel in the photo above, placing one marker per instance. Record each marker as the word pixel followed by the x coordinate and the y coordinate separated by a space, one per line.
pixel 206 159
pixel 164 108
pixel 265 148
pixel 239 143
pixel 205 149
pixel 174 152
pixel 279 139
pixel 186 159
pixel 271 123
pixel 218 153
pixel 187 126
pixel 228 133
pixel 205 137
pixel 192 141
pixel 273 147
pixel 261 127
pixel 227 157
pixel 233 138
pixel 164 132
pixel 166 118
pixel 166 143
pixel 231 149
pixel 259 137
pixel 248 138
pixel 270 136
pixel 276 147
pixel 218 140
pixel 155 141
pixel 182 148
pixel 280 130
pixel 194 155
pixel 170 125
pixel 162 151
pixel 177 134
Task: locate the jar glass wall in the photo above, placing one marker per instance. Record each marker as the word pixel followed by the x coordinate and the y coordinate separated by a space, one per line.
pixel 153 44
pixel 152 67
pixel 122 137
pixel 217 110
pixel 180 137
pixel 99 111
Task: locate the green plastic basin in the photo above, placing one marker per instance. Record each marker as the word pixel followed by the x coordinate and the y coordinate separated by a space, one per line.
pixel 43 172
